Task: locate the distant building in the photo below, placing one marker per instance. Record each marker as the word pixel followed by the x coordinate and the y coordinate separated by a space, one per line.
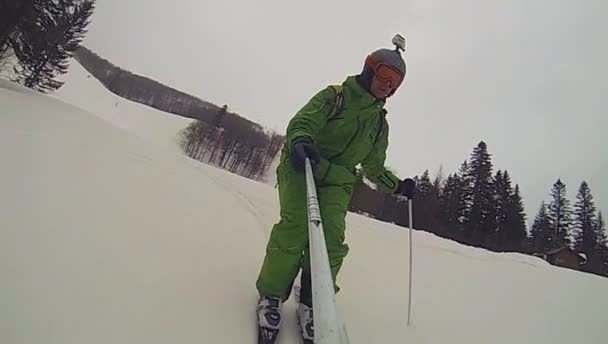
pixel 565 257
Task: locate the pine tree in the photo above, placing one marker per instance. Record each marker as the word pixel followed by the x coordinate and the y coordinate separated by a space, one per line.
pixel 439 179
pixel 451 202
pixel 585 237
pixel 510 233
pixel 11 14
pixel 602 244
pixel 218 120
pixel 540 234
pixel 501 193
pixel 600 230
pixel 424 186
pixel 481 221
pixel 455 203
pixel 560 216
pixel 427 204
pixel 466 202
pixel 48 38
pixel 516 222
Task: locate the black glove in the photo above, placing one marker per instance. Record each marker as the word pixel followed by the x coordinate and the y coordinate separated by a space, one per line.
pixel 407 188
pixel 300 151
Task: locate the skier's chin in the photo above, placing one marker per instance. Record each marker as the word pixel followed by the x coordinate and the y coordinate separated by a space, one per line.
pixel 381 94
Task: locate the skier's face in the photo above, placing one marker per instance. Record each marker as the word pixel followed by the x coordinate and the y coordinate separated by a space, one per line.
pixel 386 78
pixel 380 89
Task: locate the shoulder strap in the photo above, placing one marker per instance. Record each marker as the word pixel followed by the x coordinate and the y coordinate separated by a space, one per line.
pixel 338 103
pixel 381 124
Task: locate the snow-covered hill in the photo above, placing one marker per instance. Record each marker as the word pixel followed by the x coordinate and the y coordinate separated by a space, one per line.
pixel 83 90
pixel 108 237
pixel 155 126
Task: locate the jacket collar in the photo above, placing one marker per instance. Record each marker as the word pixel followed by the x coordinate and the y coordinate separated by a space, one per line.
pixel 362 97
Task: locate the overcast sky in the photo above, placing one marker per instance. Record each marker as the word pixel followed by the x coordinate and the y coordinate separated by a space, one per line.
pixel 527 77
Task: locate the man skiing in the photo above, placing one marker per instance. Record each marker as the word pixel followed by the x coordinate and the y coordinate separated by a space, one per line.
pixel 339 128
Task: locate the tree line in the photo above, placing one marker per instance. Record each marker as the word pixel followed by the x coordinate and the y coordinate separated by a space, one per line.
pixel 478 207
pixel 216 136
pixel 244 151
pixel 162 97
pixel 472 206
pixel 42 36
pixel 581 227
pixel 146 91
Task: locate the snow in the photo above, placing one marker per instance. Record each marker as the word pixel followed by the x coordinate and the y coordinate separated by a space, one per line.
pixel 270 177
pixel 83 90
pixel 109 235
pixel 7 65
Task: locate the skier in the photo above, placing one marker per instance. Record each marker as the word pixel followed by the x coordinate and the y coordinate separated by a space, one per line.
pixel 339 128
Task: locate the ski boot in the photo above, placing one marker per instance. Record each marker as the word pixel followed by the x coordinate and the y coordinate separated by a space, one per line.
pixel 305 323
pixel 269 319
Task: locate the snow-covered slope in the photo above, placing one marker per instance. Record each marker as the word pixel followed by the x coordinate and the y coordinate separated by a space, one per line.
pixel 108 238
pixel 83 90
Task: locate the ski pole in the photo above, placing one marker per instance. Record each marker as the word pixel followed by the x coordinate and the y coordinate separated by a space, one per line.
pixel 409 302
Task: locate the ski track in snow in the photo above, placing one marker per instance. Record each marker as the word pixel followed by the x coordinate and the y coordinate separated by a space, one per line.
pixel 249 205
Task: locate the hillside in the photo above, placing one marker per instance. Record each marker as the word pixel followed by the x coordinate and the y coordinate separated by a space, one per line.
pixel 107 236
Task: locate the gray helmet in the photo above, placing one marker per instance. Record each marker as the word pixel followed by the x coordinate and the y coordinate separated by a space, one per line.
pixel 387 56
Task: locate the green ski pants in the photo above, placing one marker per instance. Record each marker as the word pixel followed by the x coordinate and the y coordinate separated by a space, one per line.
pixel 287 248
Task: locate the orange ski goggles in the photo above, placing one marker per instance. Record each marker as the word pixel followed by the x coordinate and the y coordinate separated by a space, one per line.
pixel 385 73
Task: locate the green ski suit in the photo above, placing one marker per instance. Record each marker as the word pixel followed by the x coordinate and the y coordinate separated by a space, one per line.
pixel 356 134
